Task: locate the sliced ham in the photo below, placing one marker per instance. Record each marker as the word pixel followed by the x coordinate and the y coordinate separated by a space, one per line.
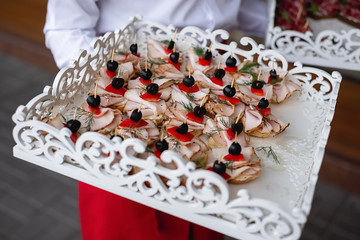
pixel 193 62
pixel 167 71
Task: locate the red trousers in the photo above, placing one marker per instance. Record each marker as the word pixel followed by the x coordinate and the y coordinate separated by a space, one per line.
pixel 106 216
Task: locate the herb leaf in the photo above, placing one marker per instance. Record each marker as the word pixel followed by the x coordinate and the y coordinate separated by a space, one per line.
pixel 269 152
pixel 199 51
pixel 188 107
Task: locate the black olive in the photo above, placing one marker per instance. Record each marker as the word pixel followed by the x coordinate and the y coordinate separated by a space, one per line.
pixel 231 62
pixel 117 82
pixel 146 75
pixel 182 129
pixel 229 91
pixel 171 45
pixel 257 84
pixel 136 115
pixel 161 145
pixel 112 65
pixel 152 88
pixel 263 103
pixel 219 73
pixel 199 111
pixel 273 74
pixel 174 57
pixel 219 168
pixel 73 125
pixel 208 55
pixel 133 48
pixel 235 149
pixel 237 127
pixel 189 81
pixel 122 139
pixel 92 101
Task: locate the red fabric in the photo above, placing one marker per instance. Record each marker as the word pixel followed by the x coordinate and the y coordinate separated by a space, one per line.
pixel 106 216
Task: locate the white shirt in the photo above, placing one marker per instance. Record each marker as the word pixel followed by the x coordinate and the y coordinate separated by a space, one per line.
pixel 72 24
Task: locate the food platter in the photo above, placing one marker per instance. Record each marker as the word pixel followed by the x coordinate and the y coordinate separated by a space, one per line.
pixel 275 206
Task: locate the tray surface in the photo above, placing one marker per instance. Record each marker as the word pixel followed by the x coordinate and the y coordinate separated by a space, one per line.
pixel 271 207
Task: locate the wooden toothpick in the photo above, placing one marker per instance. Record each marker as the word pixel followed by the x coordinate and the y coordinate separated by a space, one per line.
pixel 174 35
pixel 231 55
pixel 162 132
pixel 233 81
pixel 219 63
pixel 146 64
pixel 259 74
pixel 210 47
pixel 135 39
pixel 238 117
pixel 118 74
pixel 273 64
pixel 235 137
pixel 74 117
pixel 189 71
pixel 203 101
pixel 267 93
pixel 221 155
pixel 299 13
pixel 174 47
pixel 140 107
pixel 112 55
pixel 96 84
pixel 116 130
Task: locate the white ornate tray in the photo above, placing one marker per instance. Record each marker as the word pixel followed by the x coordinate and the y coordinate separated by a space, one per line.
pixel 336 48
pixel 275 206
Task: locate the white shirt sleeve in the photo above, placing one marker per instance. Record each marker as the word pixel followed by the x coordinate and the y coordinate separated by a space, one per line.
pixel 70 26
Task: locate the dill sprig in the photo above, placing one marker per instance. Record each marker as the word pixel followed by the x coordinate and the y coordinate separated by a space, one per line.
pixel 199 51
pixel 63 117
pixel 277 80
pixel 200 162
pixel 229 165
pixel 226 124
pixel 247 83
pixel 149 150
pixel 269 152
pixel 248 67
pixel 166 41
pixel 188 107
pixel 160 77
pixel 190 96
pixel 158 62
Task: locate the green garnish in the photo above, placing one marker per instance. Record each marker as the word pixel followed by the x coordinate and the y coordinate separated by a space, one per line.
pixel 188 107
pixel 269 152
pixel 199 51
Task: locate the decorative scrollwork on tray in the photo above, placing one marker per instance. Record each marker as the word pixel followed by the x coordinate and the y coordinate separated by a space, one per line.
pixel 338 49
pixel 171 181
pixel 116 162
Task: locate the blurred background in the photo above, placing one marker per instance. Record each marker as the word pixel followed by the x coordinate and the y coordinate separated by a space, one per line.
pixel 38 204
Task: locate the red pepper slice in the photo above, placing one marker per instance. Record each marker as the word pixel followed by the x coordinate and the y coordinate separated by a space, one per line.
pixel 128 123
pixel 217 81
pixel 151 98
pixel 182 137
pixel 265 111
pixel 110 74
pixel 225 176
pixel 184 88
pixel 120 91
pixel 157 153
pixel 73 137
pixel 145 82
pixel 204 62
pixel 176 65
pixel 235 158
pixel 230 69
pixel 192 117
pixel 95 111
pixel 258 92
pixel 167 50
pixel 230 135
pixel 232 100
pixel 127 54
